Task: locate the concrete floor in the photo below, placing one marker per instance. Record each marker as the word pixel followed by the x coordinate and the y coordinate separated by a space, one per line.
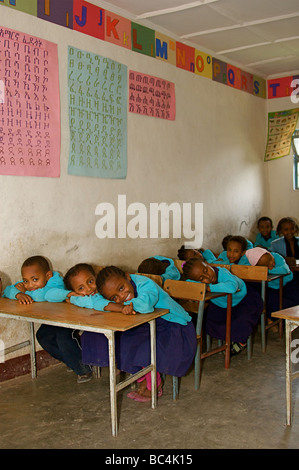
pixel 239 408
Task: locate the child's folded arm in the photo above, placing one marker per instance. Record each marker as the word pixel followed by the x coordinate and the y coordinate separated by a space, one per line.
pixel 10 292
pixel 56 295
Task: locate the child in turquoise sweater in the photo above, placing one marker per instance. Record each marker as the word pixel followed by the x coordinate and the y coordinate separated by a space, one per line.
pixel 266 233
pixel 276 264
pixel 247 304
pixel 160 265
pixel 40 284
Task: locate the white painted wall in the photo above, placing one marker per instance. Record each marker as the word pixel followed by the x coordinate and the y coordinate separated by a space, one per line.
pixel 283 199
pixel 212 153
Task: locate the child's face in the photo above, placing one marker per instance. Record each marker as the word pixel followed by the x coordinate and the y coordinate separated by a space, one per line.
pixel 118 289
pixel 84 283
pixel 267 260
pixel 288 230
pixel 34 277
pixel 234 251
pixel 203 272
pixel 265 228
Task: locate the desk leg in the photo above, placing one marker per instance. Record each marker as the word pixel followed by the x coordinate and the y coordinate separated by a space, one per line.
pixel 228 330
pixel 288 372
pixel 263 317
pixel 280 305
pixel 197 362
pixel 111 340
pixel 32 351
pixel 153 363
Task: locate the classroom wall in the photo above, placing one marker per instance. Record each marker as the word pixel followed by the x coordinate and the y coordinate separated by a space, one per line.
pixel 283 199
pixel 212 154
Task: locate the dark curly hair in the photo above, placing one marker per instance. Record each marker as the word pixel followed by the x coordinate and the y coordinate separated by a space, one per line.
pixel 152 266
pixel 39 260
pixel 264 219
pixel 106 273
pixel 188 266
pixel 283 221
pixel 238 239
pixel 72 272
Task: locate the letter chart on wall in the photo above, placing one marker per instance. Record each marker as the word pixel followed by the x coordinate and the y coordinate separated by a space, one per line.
pixel 97 91
pixel 29 106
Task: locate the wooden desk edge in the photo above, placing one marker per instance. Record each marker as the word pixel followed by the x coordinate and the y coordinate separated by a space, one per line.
pixel 291 313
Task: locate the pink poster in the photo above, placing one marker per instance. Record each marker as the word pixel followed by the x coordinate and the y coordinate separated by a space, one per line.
pixel 151 96
pixel 29 106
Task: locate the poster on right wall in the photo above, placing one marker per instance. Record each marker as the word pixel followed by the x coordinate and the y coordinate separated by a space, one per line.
pixel 281 126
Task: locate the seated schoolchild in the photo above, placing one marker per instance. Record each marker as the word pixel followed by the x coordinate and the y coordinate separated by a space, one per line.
pixel 39 283
pixel 225 240
pixel 266 233
pixel 236 247
pixel 276 265
pixel 175 332
pixel 38 280
pixel 185 253
pixel 247 304
pixel 288 243
pixel 160 265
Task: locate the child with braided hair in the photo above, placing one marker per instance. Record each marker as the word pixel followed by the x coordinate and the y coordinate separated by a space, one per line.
pixel 247 304
pixel 175 332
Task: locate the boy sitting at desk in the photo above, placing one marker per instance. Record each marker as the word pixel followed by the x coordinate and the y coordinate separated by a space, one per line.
pixel 61 343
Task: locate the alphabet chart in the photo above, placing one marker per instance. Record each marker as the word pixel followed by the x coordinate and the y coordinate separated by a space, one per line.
pixel 29 106
pixel 281 126
pixel 151 96
pixel 97 91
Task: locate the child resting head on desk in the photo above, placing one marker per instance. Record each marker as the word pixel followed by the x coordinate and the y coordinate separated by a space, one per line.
pixel 276 265
pixel 185 253
pixel 161 266
pixel 247 304
pixel 175 332
pixel 38 280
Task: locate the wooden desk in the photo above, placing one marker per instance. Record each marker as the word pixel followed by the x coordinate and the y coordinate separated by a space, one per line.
pixel 291 317
pixel 69 316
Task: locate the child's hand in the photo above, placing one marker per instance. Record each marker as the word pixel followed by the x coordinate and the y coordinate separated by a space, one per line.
pixel 20 286
pixel 128 309
pixel 24 298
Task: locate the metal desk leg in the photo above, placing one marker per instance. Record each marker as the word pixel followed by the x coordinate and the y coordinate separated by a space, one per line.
pixel 288 372
pixel 113 400
pixel 263 316
pixel 153 363
pixel 228 330
pixel 197 363
pixel 32 351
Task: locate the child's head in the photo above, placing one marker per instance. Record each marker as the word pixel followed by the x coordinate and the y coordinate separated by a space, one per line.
pixel 265 225
pixel 198 270
pixel 260 257
pixel 153 266
pixel 186 253
pixel 236 248
pixel 81 279
pixel 287 227
pixel 114 284
pixel 35 272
